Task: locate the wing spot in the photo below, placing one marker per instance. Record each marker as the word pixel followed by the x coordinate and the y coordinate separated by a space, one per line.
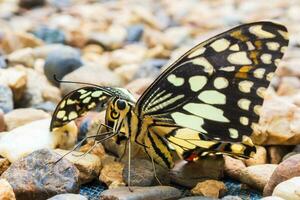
pixel 228 69
pixel 62 104
pixel 60 114
pixel 244 104
pixel 190 121
pixel 257 109
pixel 220 45
pixel 283 49
pixel 233 133
pixel 284 34
pixel 244 120
pixel 208 68
pixel 97 94
pixel 266 58
pixel 261 92
pixel 273 46
pixel 212 97
pixel 221 83
pixel 71 102
pixel 72 115
pixel 197 82
pixel 270 76
pixel 260 33
pixel 197 52
pixel 234 47
pixel 245 86
pixel 87 100
pixel 176 81
pixel 239 58
pixel 259 73
pixel 250 46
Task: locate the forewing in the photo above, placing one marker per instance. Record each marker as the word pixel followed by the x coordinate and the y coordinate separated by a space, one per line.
pixel 217 87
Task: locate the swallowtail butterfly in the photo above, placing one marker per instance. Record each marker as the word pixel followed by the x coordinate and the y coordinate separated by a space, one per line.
pixel 205 102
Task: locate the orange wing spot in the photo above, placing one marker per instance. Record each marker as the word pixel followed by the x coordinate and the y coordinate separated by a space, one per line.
pixel 192 157
pixel 254 55
pixel 258 44
pixel 243 72
pixel 238 35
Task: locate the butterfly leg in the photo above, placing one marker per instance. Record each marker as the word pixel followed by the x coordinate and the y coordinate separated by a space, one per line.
pixel 154 170
pixel 129 166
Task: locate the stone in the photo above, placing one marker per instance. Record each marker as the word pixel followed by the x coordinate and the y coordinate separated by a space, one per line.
pixel 127 71
pixel 257 176
pixel 25 139
pixel 276 153
pixel 6 191
pixel 47 106
pixel 140 193
pixel 2 122
pixel 111 173
pixel 22 116
pixel 97 150
pixel 37 176
pixel 233 167
pixel 138 86
pixel 229 197
pixel 197 198
pixel 289 189
pixel 210 188
pixel 150 68
pixel 90 74
pixel 272 198
pixel 50 35
pixel 6 99
pixel 28 4
pixel 22 56
pixel 68 197
pixel 89 165
pixel 142 173
pixel 259 158
pixel 175 36
pixel 287 169
pixel 134 33
pixel 3 62
pixel 279 125
pixel 60 62
pixel 188 174
pixel 4 164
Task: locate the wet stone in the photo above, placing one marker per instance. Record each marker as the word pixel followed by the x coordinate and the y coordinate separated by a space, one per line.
pixel 6 99
pixel 36 177
pixel 142 173
pixel 61 62
pixel 50 35
pixel 141 193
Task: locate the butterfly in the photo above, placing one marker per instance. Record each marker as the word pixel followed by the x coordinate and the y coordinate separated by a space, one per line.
pixel 206 102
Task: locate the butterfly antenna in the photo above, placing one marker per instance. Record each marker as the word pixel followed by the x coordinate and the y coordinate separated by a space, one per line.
pixel 75 82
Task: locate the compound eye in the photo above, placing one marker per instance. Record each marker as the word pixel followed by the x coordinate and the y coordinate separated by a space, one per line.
pixel 121 104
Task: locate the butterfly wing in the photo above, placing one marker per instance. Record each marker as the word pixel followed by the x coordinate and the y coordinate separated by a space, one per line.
pixel 217 87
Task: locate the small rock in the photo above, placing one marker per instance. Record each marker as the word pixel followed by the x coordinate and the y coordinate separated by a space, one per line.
pixel 276 153
pixel 111 173
pixel 88 165
pixel 140 193
pixel 3 62
pixel 272 198
pixel 6 191
pixel 188 174
pixel 37 177
pixel 6 99
pixel 50 35
pixel 288 190
pixel 97 150
pixel 46 106
pixel 2 122
pixel 287 169
pixel 61 62
pixel 127 71
pixel 174 36
pixel 90 74
pixel 134 33
pixel 142 173
pixel 22 56
pixel 259 158
pixel 197 198
pixel 25 139
pixel 4 164
pixel 93 48
pixel 229 197
pixel 257 176
pixel 210 188
pixel 31 3
pixel 233 167
pixel 22 116
pixel 289 155
pixel 138 86
pixel 68 197
pixel 150 68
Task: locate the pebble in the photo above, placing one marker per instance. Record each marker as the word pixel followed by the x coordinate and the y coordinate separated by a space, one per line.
pixel 37 177
pixel 188 174
pixel 6 99
pixel 28 4
pixel 111 174
pixel 90 74
pixel 287 169
pixel 276 153
pixel 150 68
pixel 233 167
pixel 50 35
pixel 272 198
pixel 68 197
pixel 197 198
pixel 88 165
pixel 22 116
pixel 97 150
pixel 2 122
pixel 60 62
pixel 6 191
pixel 229 197
pixel 210 188
pixel 4 164
pixel 142 173
pixel 134 33
pixel 288 190
pixel 3 62
pixel 257 176
pixel 138 86
pixel 259 158
pixel 25 139
pixel 127 71
pixel 23 56
pixel 47 106
pixel 140 193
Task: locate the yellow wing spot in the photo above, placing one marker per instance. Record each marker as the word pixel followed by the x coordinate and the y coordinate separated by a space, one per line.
pixel 72 115
pixel 87 100
pixel 176 81
pixel 212 97
pixel 60 114
pixel 261 92
pixel 250 46
pixel 237 148
pixel 233 133
pixel 273 46
pixel 283 49
pixel 208 68
pixel 228 69
pixel 258 44
pixel 82 91
pixel 197 52
pixel 239 58
pixel 270 76
pixel 257 109
pixel 92 105
pixel 247 140
pixel 85 95
pixel 97 94
pixel 245 86
pixel 284 34
pixel 259 32
pixel 220 45
pixel 234 47
pixel 190 121
pixel 243 72
pixel 244 120
pixel 254 56
pixel 62 104
pixel 244 104
pixel 238 35
pixel 221 83
pixel 71 102
pixel 266 58
pixel 65 118
pixel 197 82
pixel 259 73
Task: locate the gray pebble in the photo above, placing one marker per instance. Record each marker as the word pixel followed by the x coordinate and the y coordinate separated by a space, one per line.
pixel 6 99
